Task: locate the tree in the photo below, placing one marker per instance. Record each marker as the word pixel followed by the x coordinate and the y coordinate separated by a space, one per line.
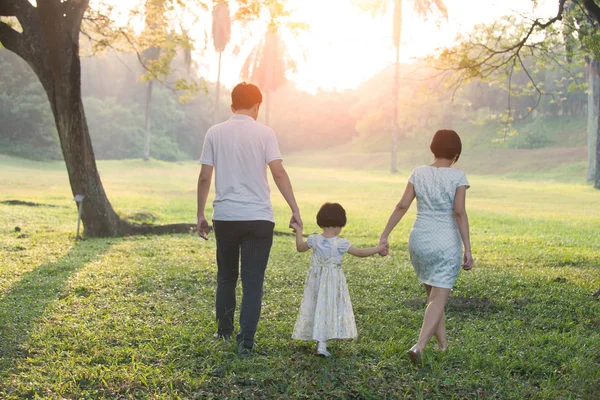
pixel 423 8
pixel 155 22
pixel 269 61
pixel 221 32
pixel 46 36
pixel 577 31
pixel 501 49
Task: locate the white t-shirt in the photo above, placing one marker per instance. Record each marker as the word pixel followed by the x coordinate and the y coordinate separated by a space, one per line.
pixel 239 150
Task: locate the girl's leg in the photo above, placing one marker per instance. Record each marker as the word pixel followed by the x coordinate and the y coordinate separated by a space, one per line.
pixel 322 349
pixel 440 332
pixel 433 316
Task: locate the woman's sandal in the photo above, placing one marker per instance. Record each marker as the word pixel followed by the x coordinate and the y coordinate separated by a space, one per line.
pixel 416 357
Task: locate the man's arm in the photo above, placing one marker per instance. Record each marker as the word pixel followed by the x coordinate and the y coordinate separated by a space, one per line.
pixel 282 180
pixel 203 189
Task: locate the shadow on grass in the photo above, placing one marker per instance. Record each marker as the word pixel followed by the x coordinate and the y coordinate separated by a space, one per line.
pixel 25 302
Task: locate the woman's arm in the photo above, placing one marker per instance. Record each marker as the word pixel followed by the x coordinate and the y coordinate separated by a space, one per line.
pixel 462 222
pixel 401 209
pixel 371 251
pixel 301 244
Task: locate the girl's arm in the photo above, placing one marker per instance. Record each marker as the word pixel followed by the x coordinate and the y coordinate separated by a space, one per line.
pixel 401 209
pixel 366 252
pixel 301 244
pixel 462 222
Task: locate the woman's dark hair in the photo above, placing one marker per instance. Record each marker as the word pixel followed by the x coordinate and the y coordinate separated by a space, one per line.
pixel 446 144
pixel 331 215
pixel 245 95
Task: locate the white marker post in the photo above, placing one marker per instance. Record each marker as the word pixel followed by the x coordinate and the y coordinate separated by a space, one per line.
pixel 79 200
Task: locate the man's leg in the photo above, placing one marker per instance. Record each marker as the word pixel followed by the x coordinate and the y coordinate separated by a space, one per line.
pixel 228 255
pixel 256 246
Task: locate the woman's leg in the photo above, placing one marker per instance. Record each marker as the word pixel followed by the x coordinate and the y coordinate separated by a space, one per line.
pixel 433 315
pixel 440 332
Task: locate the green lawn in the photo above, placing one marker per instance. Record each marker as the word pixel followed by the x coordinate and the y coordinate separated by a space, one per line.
pixel 133 317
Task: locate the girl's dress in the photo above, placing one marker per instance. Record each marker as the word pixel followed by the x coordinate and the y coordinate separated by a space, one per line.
pixel 326 311
pixel 435 244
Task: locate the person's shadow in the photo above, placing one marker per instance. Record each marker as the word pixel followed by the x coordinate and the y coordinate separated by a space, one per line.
pixel 24 303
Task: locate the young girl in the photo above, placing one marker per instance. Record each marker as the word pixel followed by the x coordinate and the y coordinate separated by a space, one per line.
pixel 326 311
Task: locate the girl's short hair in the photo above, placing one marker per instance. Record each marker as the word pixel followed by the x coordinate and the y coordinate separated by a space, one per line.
pixel 331 215
pixel 446 144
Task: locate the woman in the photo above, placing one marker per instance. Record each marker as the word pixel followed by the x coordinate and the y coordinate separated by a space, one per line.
pixel 439 233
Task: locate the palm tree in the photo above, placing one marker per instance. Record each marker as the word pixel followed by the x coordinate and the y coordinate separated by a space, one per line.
pixel 268 62
pixel 221 31
pixel 423 8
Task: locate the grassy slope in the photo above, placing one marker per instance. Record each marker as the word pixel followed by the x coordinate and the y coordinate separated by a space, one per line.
pixel 133 317
pixel 563 159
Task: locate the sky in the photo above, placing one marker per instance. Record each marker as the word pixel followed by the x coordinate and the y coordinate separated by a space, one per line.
pixel 344 46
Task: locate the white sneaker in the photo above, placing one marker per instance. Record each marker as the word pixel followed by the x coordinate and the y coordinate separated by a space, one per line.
pixel 322 349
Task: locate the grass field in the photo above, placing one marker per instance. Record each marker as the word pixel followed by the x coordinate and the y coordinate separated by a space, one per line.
pixel 133 317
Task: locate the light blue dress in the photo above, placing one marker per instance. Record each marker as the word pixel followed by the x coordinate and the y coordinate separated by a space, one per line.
pixel 435 244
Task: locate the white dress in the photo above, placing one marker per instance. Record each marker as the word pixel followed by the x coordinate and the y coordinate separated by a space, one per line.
pixel 326 311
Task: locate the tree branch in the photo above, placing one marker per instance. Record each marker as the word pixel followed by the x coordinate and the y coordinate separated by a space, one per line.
pixel 14 8
pixel 13 41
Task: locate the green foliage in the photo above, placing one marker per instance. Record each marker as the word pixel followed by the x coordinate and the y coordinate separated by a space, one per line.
pixel 27 128
pixel 113 100
pixel 117 132
pixel 133 317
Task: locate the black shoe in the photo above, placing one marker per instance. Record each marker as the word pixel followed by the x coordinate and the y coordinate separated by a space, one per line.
pixel 245 351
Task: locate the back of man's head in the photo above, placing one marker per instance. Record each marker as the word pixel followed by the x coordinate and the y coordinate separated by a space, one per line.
pixel 244 96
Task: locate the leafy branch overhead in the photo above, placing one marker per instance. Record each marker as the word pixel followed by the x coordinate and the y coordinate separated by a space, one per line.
pixel 165 35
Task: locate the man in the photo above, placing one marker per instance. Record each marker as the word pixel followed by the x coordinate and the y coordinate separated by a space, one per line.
pixel 239 151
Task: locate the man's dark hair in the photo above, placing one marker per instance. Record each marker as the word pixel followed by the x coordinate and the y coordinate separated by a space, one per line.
pixel 245 95
pixel 446 144
pixel 331 215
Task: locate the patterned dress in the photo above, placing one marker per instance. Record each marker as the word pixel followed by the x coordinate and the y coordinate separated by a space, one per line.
pixel 435 244
pixel 326 311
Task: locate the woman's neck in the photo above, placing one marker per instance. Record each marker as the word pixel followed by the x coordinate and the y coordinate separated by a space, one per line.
pixel 442 163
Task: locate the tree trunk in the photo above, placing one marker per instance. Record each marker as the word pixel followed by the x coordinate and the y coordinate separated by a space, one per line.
pixel 397 36
pixel 59 68
pixel 597 172
pixel 396 127
pixel 267 107
pixel 218 93
pixel 591 66
pixel 148 118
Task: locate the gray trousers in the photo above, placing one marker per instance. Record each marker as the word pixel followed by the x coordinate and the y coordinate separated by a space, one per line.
pixel 252 240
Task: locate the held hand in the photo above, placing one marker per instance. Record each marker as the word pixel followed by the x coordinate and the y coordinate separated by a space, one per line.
pixel 382 250
pixel 202 227
pixel 383 242
pixel 295 227
pixel 467 261
pixel 296 219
